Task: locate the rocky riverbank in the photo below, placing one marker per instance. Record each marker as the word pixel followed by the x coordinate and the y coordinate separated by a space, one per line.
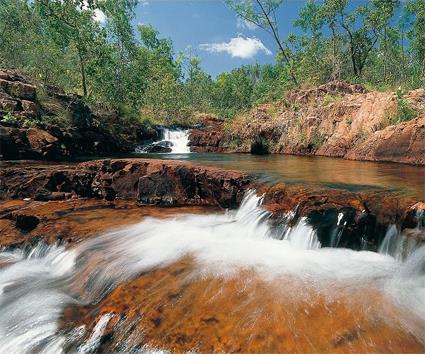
pixel 125 280
pixel 336 119
pixel 44 122
pixel 363 217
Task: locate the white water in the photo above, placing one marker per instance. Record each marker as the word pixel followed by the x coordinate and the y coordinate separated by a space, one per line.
pixel 178 138
pixel 36 287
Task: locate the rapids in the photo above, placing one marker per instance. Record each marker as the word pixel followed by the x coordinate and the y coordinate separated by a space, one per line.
pixel 37 285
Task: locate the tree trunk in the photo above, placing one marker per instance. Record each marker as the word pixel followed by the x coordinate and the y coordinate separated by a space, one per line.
pixel 83 73
pixel 277 39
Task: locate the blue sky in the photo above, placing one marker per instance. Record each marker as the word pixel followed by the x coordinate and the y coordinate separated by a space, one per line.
pixel 210 30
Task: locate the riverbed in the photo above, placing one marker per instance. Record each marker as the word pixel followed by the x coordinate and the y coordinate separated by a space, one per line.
pixel 99 274
pixel 204 280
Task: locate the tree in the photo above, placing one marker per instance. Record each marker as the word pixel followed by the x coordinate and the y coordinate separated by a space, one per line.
pixel 416 34
pixel 362 27
pixel 233 92
pixel 262 13
pixel 70 23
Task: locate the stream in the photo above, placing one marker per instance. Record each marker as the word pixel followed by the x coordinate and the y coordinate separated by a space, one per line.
pixel 219 281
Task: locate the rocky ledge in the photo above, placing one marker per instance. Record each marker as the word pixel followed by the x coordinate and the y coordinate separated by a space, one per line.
pixel 335 119
pixel 44 122
pixel 362 217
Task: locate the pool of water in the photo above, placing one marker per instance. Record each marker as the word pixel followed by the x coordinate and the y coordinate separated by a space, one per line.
pixel 329 172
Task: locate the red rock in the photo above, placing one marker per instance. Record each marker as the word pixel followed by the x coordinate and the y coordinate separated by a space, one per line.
pixel 404 142
pixel 177 183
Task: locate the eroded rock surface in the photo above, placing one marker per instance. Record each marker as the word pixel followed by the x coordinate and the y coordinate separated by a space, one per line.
pixel 336 119
pixel 364 216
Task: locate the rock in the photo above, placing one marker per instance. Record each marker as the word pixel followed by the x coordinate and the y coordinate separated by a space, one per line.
pixel 331 88
pixel 150 181
pixel 26 223
pixel 30 108
pixel 397 143
pixel 208 136
pixel 80 129
pixel 159 147
pixel 336 120
pixel 40 139
pixel 175 183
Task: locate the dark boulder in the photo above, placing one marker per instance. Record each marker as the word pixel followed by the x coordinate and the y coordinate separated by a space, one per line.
pixel 159 147
pixel 26 223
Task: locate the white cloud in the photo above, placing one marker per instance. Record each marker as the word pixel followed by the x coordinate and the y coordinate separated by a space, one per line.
pixel 244 24
pixel 238 47
pixel 99 16
pixel 144 3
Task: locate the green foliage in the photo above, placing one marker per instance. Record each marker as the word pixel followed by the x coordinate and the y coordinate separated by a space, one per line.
pixel 404 112
pixel 9 118
pixel 137 73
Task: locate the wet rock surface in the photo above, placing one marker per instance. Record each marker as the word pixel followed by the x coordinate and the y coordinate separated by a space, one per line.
pixel 172 309
pixel 158 147
pixel 154 182
pixel 365 215
pixel 180 308
pixel 27 223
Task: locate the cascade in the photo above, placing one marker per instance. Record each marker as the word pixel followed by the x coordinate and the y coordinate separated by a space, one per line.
pixel 396 244
pixel 36 286
pixel 175 139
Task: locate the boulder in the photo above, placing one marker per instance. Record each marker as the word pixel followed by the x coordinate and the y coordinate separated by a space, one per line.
pixel 158 147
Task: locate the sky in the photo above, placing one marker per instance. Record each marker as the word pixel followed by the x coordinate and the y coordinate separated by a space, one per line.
pixel 211 31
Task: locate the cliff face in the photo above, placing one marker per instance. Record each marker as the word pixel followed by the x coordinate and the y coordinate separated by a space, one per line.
pixel 43 122
pixel 336 120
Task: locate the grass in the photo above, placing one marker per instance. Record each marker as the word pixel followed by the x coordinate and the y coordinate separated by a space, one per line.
pixel 404 112
pixel 330 98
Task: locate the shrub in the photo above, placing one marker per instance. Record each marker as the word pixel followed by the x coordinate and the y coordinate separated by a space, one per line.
pixel 404 112
pixel 9 119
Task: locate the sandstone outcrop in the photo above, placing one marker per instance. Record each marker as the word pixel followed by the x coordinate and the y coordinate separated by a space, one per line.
pixel 163 183
pixel 398 143
pixel 336 120
pixel 208 137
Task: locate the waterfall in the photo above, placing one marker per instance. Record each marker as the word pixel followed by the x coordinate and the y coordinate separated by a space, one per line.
pixel 179 139
pixel 176 140
pixel 396 244
pixel 302 236
pixel 36 286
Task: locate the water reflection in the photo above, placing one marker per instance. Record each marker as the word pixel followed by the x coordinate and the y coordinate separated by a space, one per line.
pixel 336 173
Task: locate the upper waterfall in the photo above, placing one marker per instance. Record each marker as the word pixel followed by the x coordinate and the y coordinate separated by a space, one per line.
pixel 179 138
pixel 174 141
